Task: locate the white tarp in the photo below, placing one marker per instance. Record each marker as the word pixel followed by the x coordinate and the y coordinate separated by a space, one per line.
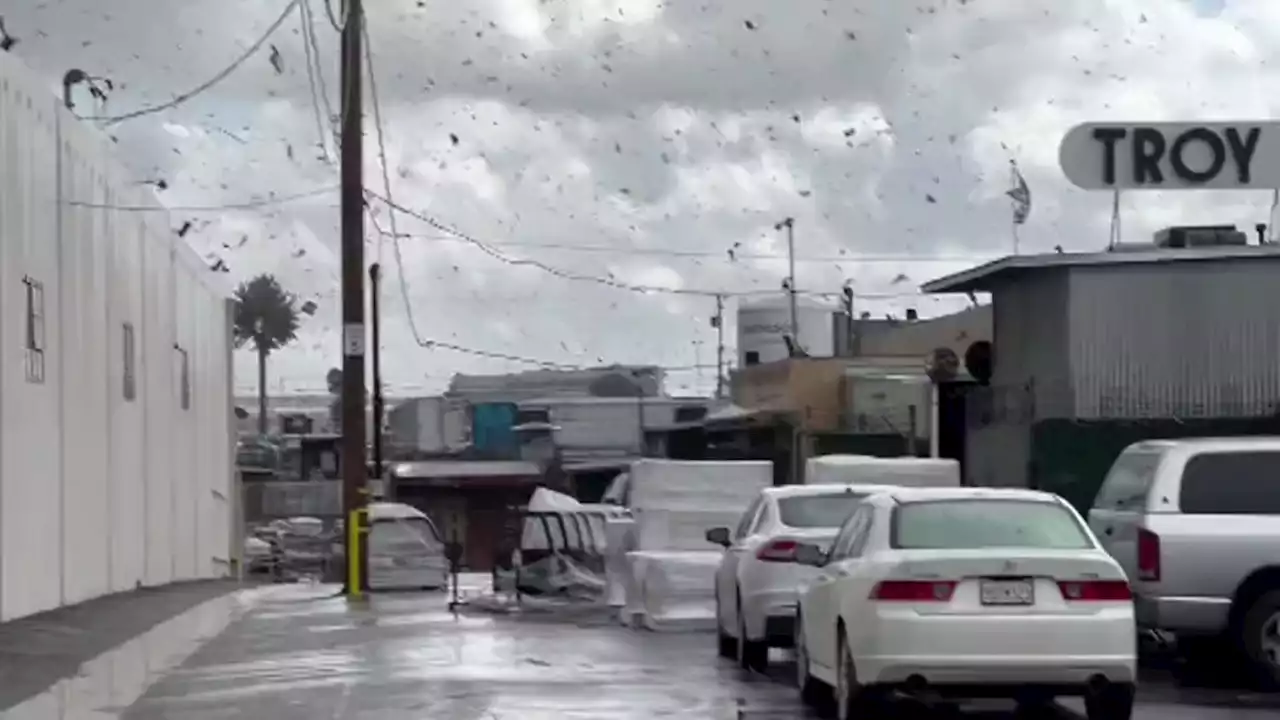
pixel 620 536
pixel 575 525
pixel 535 530
pixel 676 501
pixel 864 469
pixel 670 577
pixel 671 591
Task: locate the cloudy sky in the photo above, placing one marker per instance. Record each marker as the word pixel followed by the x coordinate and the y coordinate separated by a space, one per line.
pixel 648 144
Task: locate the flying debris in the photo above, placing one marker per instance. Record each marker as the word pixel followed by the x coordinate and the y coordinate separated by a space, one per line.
pixel 7 41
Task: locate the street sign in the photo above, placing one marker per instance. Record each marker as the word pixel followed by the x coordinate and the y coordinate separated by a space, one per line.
pixel 1172 156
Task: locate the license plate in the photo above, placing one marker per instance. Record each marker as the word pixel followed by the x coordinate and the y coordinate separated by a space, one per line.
pixel 1007 592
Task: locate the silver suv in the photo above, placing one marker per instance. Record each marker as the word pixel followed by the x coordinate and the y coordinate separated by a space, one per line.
pixel 1196 525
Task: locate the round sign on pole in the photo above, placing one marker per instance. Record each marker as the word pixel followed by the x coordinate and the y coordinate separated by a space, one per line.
pixel 1238 155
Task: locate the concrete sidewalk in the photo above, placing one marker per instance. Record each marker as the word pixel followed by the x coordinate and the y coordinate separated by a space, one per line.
pixel 39 651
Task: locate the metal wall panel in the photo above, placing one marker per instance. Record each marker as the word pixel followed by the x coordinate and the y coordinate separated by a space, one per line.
pixel 1185 339
pixel 98 491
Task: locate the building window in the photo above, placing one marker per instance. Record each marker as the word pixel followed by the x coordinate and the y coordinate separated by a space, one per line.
pixel 753 357
pixel 35 341
pixel 130 363
pixel 184 377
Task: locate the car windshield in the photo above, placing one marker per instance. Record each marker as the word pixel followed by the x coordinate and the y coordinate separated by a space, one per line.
pixel 972 524
pixel 817 511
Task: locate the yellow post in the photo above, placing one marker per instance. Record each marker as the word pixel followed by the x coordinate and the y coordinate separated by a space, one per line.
pixel 355 537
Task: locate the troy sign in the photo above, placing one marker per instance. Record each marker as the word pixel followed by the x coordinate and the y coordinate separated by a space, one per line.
pixel 1172 156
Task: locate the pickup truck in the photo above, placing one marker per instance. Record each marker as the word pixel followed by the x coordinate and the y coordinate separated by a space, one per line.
pixel 1196 525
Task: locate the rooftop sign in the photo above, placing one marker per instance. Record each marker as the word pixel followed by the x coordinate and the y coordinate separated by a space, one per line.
pixel 1172 156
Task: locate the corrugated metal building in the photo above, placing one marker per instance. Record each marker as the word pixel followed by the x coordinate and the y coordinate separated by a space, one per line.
pixel 116 433
pixel 1147 332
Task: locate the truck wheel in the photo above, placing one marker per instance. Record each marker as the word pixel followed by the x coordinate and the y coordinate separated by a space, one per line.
pixel 1260 638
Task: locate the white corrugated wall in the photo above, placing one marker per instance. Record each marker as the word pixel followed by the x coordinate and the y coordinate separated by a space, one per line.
pixel 100 492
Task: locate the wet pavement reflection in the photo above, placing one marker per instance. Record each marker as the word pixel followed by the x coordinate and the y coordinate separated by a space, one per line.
pixel 300 652
pixel 105 686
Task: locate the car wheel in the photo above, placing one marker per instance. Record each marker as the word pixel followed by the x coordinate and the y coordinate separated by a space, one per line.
pixel 853 701
pixel 752 654
pixel 726 645
pixel 1114 702
pixel 1261 639
pixel 813 692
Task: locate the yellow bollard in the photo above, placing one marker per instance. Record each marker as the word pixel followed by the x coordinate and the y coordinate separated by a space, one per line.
pixel 356 520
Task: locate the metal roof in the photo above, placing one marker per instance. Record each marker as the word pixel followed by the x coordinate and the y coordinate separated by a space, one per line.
pixel 425 469
pixel 980 279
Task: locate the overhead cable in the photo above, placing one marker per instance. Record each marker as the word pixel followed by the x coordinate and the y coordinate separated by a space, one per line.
pixel 489 250
pixel 246 205
pixel 222 75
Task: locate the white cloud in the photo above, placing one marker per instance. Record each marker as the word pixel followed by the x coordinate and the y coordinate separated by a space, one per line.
pixel 884 128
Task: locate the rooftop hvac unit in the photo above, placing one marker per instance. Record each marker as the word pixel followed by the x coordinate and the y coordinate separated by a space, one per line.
pixel 1192 236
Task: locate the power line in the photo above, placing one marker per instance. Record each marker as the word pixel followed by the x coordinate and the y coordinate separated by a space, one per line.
pixel 402 282
pixel 608 282
pixel 395 239
pixel 721 254
pixel 247 205
pixel 312 51
pixel 222 75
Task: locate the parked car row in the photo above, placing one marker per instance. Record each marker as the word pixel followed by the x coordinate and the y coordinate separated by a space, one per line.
pixel 952 592
pixel 986 592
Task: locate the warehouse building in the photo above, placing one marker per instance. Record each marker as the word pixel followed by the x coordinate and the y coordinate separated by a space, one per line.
pixel 1093 351
pixel 116 433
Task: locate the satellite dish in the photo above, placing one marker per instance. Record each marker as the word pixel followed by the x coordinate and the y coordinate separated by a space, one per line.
pixel 977 360
pixel 942 365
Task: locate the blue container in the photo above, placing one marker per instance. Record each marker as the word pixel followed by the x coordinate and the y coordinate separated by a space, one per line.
pixel 491 429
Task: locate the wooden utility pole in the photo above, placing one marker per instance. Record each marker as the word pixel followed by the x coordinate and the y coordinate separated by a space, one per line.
pixel 717 322
pixel 790 225
pixel 354 469
pixel 379 407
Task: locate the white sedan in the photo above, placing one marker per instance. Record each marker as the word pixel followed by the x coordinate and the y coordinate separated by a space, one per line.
pixel 966 593
pixel 757 579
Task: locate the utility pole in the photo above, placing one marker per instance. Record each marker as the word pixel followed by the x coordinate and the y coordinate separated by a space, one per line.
pixel 354 396
pixel 850 339
pixel 789 224
pixel 717 322
pixel 375 295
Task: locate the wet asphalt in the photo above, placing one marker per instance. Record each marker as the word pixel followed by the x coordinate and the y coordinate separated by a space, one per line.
pixel 302 653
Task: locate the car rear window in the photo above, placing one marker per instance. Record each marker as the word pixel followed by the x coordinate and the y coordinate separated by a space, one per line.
pixel 973 524
pixel 404 534
pixel 1231 483
pixel 818 511
pixel 1128 482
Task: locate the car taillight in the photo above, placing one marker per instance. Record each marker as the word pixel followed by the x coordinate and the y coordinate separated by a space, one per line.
pixel 1095 590
pixel 1148 556
pixel 778 551
pixel 913 590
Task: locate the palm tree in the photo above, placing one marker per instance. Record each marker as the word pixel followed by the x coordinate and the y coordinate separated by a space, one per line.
pixel 267 316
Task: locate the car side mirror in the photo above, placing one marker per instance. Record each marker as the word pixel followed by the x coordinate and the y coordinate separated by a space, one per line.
pixel 810 555
pixel 719 536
